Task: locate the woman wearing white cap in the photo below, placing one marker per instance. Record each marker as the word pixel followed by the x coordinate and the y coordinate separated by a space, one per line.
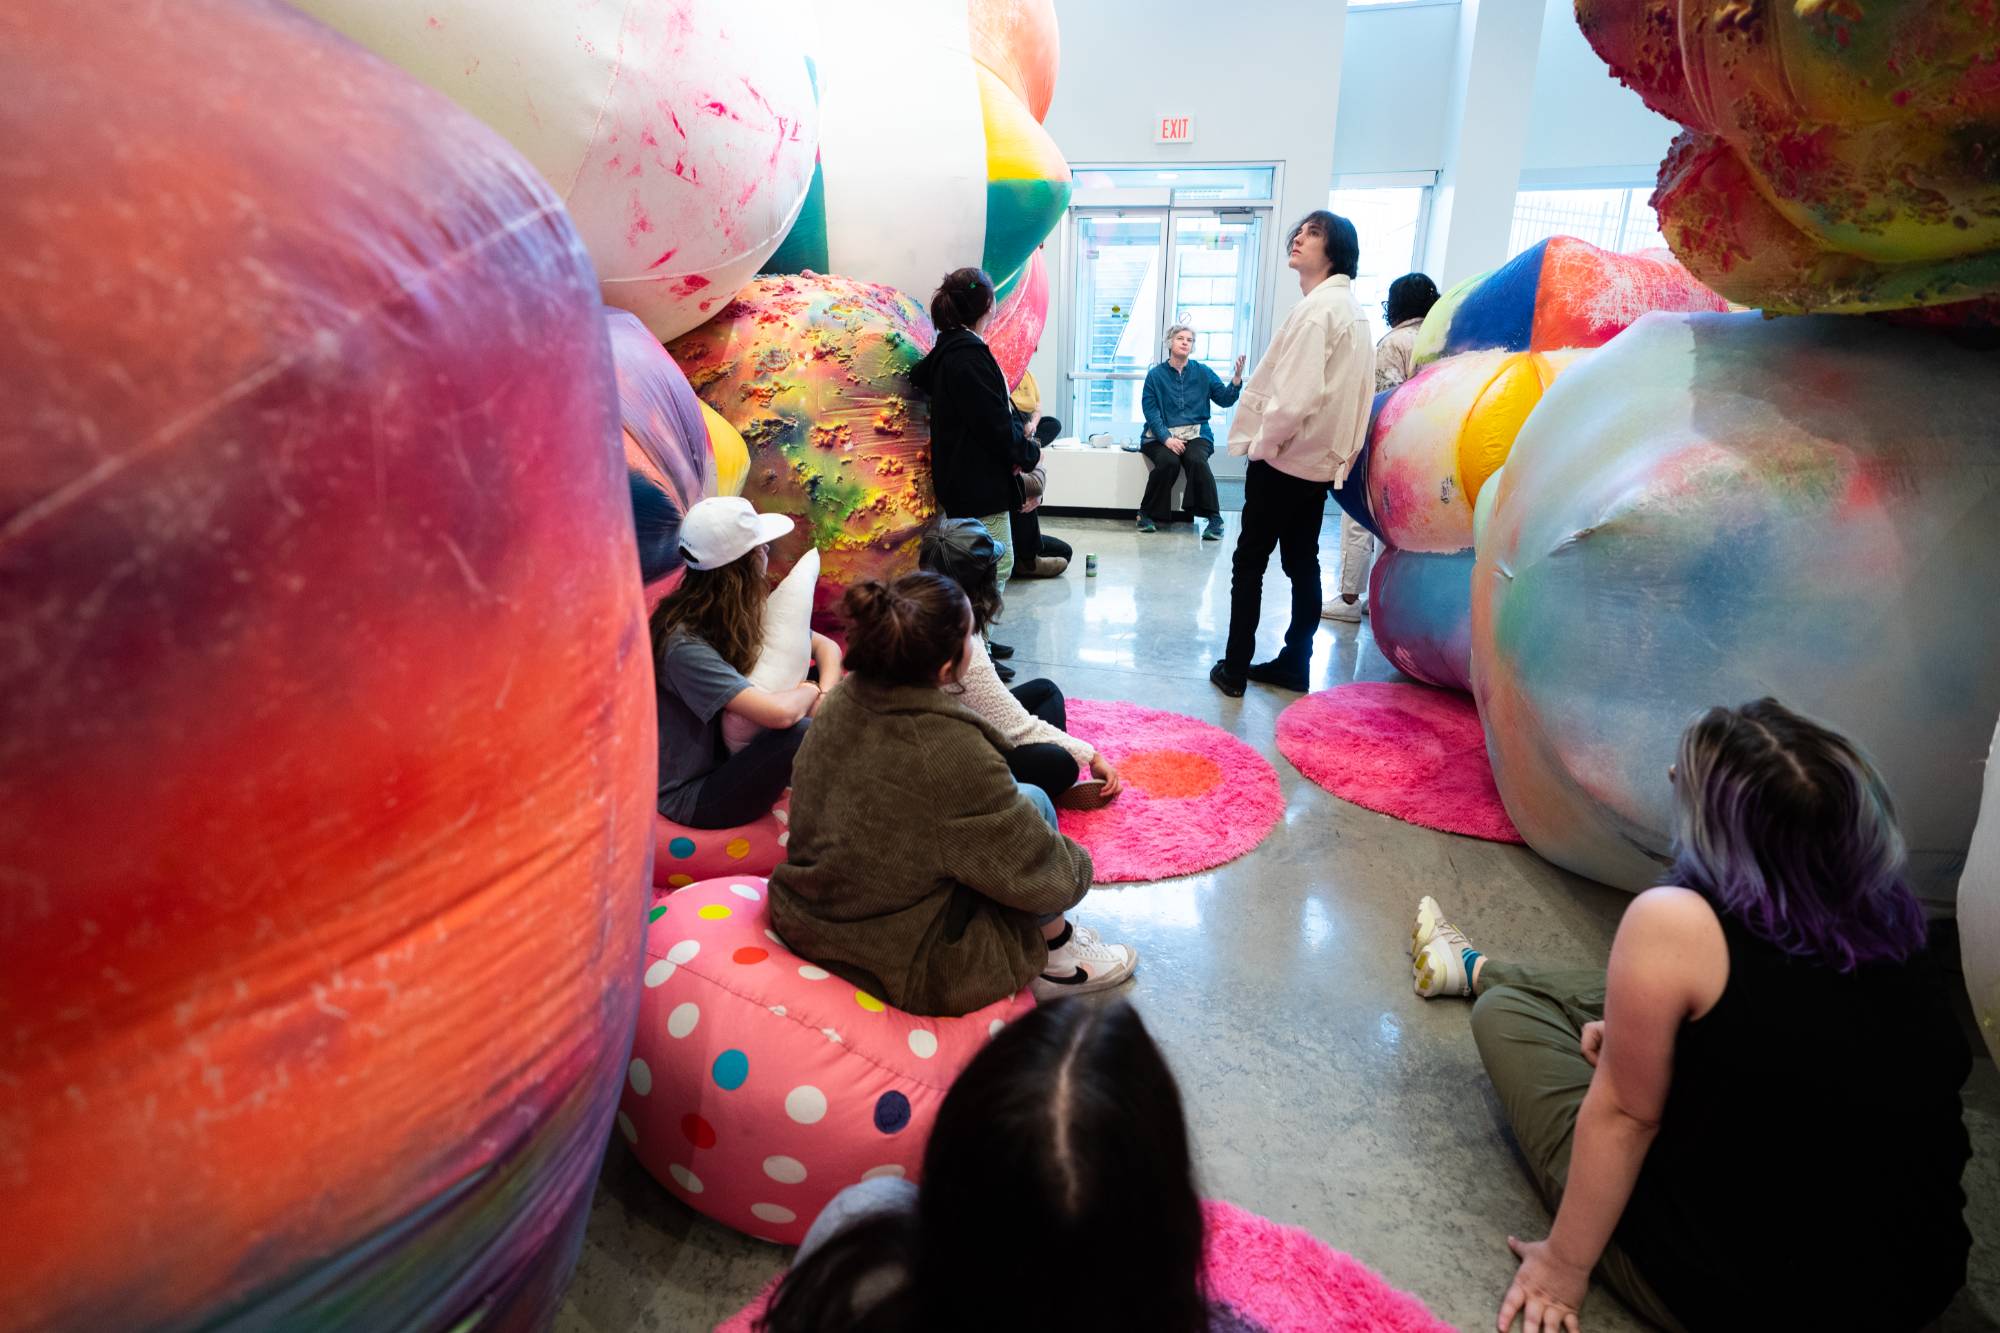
pixel 707 634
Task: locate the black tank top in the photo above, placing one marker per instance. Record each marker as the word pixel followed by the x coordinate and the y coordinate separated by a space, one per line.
pixel 1806 1172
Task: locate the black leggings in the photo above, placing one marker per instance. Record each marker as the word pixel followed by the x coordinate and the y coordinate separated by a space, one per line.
pixel 749 782
pixel 1043 764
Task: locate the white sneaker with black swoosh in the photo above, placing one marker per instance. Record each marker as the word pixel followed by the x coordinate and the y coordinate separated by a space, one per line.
pixel 1084 965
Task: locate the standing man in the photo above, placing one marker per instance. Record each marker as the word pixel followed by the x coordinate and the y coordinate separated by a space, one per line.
pixel 1302 420
pixel 1178 392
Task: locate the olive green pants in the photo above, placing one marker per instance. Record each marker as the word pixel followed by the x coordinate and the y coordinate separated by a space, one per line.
pixel 1528 1023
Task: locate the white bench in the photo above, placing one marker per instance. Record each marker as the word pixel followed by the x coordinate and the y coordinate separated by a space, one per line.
pixel 1107 478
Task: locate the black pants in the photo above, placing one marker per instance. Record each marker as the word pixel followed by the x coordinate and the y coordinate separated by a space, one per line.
pixel 750 781
pixel 1042 764
pixel 1030 544
pixel 1282 511
pixel 1200 499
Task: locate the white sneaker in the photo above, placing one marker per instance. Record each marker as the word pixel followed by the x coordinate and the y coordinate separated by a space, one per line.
pixel 1337 608
pixel 1437 954
pixel 1078 968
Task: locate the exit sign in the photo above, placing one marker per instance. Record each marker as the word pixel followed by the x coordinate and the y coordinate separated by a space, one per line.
pixel 1173 129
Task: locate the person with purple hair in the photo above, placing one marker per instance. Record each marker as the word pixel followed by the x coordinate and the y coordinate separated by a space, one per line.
pixel 1752 1118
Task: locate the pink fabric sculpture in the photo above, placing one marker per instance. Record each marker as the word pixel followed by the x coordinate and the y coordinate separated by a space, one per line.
pixel 682 855
pixel 760 1086
pixel 668 461
pixel 1017 325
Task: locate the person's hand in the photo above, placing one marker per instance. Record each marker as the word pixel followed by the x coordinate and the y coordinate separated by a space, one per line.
pixel 1593 1041
pixel 819 697
pixel 1236 377
pixel 1033 421
pixel 1546 1292
pixel 1178 446
pixel 1102 770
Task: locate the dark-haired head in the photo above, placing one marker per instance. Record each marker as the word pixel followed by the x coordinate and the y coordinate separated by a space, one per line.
pixel 907 632
pixel 1062 1147
pixel 723 607
pixel 963 551
pixel 1337 234
pixel 1410 297
pixel 1786 826
pixel 962 299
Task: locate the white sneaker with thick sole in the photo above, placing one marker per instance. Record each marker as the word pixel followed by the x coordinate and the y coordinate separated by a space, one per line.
pixel 1078 968
pixel 1437 954
pixel 1337 608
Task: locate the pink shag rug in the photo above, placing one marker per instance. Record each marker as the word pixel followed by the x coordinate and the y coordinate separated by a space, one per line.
pixel 1411 751
pixel 1267 1278
pixel 1195 796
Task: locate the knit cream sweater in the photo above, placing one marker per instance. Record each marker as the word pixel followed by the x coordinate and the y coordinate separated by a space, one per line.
pixel 982 690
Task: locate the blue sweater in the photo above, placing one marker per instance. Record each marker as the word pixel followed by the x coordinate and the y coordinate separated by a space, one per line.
pixel 1181 398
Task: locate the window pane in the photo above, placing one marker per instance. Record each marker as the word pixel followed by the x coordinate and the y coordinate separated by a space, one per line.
pixel 1385 221
pixel 1614 219
pixel 1642 225
pixel 1215 291
pixel 1117 292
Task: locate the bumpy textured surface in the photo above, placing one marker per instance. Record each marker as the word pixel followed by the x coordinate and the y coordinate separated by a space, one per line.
pixel 1718 507
pixel 1839 156
pixel 681 134
pixel 760 1086
pixel 668 462
pixel 814 373
pixel 1979 909
pixel 325 728
pixel 1195 796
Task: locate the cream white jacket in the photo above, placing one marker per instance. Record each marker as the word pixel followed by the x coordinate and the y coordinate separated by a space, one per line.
pixel 1305 408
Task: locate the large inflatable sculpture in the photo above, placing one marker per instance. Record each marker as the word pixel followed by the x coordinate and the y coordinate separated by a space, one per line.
pixel 1718 507
pixel 1979 909
pixel 325 804
pixel 1018 321
pixel 669 463
pixel 681 134
pixel 814 373
pixel 951 168
pixel 1838 157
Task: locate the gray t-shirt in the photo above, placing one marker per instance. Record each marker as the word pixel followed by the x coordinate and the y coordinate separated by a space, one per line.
pixel 692 684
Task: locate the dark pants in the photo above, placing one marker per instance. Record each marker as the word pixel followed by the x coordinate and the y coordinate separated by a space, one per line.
pixel 750 781
pixel 1030 544
pixel 1043 765
pixel 1200 499
pixel 1281 511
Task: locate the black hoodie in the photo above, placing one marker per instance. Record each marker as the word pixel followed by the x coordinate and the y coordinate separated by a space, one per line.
pixel 975 442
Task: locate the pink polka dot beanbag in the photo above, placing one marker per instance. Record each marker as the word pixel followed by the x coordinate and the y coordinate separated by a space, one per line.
pixel 761 1086
pixel 682 855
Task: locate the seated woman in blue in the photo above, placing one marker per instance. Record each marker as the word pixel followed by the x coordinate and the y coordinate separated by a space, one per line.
pixel 1177 437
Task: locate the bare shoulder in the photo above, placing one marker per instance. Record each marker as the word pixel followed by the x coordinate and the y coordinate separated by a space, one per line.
pixel 1675 931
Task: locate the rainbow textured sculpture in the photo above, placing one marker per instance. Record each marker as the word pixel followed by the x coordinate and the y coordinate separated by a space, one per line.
pixel 952 169
pixel 1838 157
pixel 1558 293
pixel 680 133
pixel 668 462
pixel 814 372
pixel 1718 507
pixel 325 824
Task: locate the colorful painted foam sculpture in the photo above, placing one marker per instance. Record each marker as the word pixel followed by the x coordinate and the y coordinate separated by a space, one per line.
pixel 1713 508
pixel 932 155
pixel 668 462
pixel 1838 156
pixel 1420 612
pixel 1979 908
pixel 1558 293
pixel 680 134
pixel 325 793
pixel 814 373
pixel 1016 328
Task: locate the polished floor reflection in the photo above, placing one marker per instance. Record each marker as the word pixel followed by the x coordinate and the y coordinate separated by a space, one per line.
pixel 1322 1093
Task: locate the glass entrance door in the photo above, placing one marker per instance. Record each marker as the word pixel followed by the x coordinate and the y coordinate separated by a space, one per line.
pixel 1214 290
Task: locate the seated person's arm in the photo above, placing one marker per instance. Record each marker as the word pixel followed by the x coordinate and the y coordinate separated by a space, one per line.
pixel 826 655
pixel 775 709
pixel 1224 394
pixel 1152 408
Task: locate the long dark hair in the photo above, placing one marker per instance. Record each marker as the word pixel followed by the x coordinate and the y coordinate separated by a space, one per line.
pixel 1786 826
pixel 1062 1148
pixel 978 578
pixel 903 633
pixel 962 299
pixel 722 607
pixel 1410 297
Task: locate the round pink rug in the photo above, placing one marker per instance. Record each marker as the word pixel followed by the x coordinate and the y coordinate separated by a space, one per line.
pixel 1410 751
pixel 1195 796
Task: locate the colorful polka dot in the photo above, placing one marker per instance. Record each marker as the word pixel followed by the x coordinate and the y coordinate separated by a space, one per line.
pixel 627 1128
pixel 892 1112
pixel 658 973
pixel 681 848
pixel 772 936
pixel 923 1043
pixel 785 838
pixel 679 881
pixel 785 1170
pixel 685 1178
pixel 1171 774
pixel 730 1069
pixel 869 1002
pixel 745 891
pixel 806 1104
pixel 640 1076
pixel 714 912
pixel 774 1213
pixel 738 848
pixel 749 954
pixel 682 1020
pixel 684 952
pixel 697 1131
pixel 778 1009
pixel 656 913
pixel 879 1172
pixel 811 973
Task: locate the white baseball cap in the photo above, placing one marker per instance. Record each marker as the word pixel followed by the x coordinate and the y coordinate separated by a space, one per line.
pixel 723 528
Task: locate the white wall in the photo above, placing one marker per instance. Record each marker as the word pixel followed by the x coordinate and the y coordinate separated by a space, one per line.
pixel 1395 89
pixel 1582 119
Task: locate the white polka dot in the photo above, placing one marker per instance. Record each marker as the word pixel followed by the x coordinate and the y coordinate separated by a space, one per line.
pixel 778 1009
pixel 640 1076
pixel 784 816
pixel 685 1178
pixel 772 936
pixel 682 1020
pixel 879 1172
pixel 785 839
pixel 830 1034
pixel 785 1170
pixel 771 1212
pixel 745 891
pixel 658 972
pixel 811 973
pixel 684 952
pixel 993 1028
pixel 923 1043
pixel 627 1128
pixel 805 1104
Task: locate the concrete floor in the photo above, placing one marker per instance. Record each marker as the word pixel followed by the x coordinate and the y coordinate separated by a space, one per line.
pixel 1321 1091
